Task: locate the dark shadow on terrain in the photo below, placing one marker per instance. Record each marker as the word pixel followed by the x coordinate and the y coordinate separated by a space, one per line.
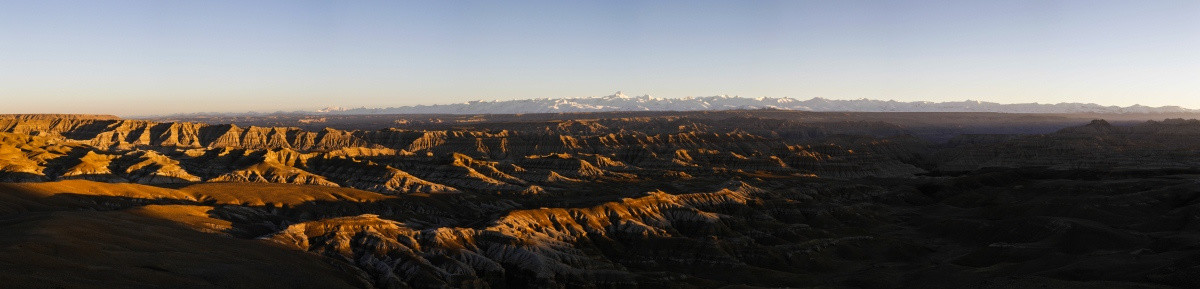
pixel 120 163
pixel 78 248
pixel 158 130
pixel 1053 228
pixel 256 221
pixel 68 160
pixel 247 221
pixel 90 130
pixel 20 177
pixel 107 203
pixel 209 134
pixel 1128 226
pixel 1042 173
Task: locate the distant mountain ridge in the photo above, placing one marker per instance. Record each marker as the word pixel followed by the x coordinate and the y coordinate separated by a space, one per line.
pixel 622 102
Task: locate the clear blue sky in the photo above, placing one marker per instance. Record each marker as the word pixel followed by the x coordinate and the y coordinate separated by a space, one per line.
pixel 143 57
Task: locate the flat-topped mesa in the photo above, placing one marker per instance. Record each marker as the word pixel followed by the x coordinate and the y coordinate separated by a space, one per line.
pixel 1098 126
pixel 57 116
pixel 44 125
pixel 1097 145
pixel 118 134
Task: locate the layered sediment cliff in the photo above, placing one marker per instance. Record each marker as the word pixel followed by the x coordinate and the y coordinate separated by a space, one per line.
pixel 629 202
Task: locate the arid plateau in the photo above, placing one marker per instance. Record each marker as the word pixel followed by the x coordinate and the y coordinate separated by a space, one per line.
pixel 698 199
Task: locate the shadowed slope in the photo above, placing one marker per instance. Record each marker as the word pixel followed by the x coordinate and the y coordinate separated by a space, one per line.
pixel 50 243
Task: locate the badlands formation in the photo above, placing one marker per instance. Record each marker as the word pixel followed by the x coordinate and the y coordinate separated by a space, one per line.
pixel 732 199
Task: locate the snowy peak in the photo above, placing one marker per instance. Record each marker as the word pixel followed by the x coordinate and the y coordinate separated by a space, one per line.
pixel 619 101
pixel 332 109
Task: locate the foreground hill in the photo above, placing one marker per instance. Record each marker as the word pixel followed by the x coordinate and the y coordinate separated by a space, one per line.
pixel 741 199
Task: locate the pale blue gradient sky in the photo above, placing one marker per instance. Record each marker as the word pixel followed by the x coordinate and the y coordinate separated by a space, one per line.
pixel 151 57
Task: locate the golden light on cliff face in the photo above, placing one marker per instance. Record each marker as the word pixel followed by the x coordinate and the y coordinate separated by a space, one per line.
pixel 474 144
pixel 599 200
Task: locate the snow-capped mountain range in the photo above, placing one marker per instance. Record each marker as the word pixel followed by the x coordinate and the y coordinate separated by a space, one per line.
pixel 622 102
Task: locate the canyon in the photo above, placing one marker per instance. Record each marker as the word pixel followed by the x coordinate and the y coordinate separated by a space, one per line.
pixel 760 198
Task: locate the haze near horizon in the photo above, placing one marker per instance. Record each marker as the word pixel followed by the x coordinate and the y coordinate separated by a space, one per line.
pixel 144 57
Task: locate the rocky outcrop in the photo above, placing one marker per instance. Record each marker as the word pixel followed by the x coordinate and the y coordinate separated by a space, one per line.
pixel 534 247
pixel 92 166
pixel 151 167
pixel 273 172
pixel 374 177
